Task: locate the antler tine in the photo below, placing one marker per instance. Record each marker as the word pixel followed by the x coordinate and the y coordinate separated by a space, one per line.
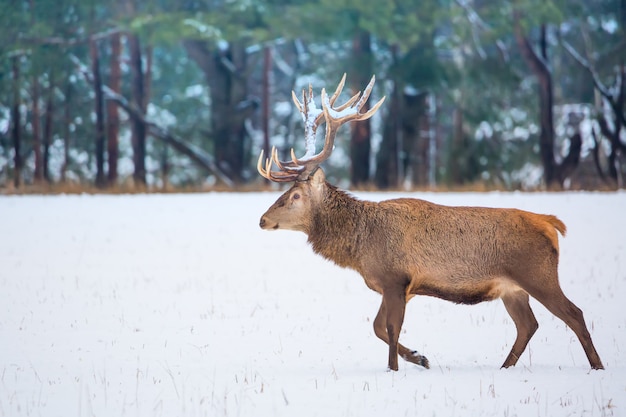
pixel 276 176
pixel 306 100
pixel 354 98
pixel 287 165
pixel 294 97
pixel 259 166
pixel 373 110
pixel 293 157
pixel 360 101
pixel 305 114
pixel 348 103
pixel 365 97
pixel 338 90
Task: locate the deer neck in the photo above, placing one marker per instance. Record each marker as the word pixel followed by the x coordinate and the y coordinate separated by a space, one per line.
pixel 337 227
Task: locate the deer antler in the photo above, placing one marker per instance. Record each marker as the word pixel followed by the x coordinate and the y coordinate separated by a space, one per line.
pixel 299 169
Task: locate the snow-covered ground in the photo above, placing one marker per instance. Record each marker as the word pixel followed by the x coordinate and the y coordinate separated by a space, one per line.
pixel 179 305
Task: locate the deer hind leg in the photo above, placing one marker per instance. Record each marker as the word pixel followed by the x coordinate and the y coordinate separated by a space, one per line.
pixel 516 304
pixel 557 303
pixel 381 330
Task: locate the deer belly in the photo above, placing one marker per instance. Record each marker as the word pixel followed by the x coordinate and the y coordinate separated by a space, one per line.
pixel 464 292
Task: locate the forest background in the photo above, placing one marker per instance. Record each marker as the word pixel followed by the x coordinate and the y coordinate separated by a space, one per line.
pixel 173 95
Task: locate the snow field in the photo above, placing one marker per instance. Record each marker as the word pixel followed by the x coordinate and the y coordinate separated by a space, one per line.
pixel 179 305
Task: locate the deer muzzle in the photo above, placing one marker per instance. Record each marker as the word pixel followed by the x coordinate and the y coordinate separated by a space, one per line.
pixel 266 224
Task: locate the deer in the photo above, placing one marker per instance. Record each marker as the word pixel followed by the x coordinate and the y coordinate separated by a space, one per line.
pixel 406 247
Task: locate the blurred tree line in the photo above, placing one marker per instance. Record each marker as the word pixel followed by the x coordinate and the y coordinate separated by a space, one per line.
pixel 164 93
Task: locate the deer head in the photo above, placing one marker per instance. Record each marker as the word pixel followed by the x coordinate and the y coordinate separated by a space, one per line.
pixel 292 210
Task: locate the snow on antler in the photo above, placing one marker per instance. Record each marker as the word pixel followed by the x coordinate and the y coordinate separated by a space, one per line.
pixel 312 116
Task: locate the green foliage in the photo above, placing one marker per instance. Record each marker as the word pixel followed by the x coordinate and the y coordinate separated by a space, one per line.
pixel 399 22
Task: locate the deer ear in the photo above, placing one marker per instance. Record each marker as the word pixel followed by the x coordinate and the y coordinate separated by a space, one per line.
pixel 318 178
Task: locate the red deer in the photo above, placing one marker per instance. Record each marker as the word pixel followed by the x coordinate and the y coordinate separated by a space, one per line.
pixel 407 247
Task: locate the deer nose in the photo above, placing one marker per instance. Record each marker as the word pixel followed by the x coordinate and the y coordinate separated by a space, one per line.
pixel 262 222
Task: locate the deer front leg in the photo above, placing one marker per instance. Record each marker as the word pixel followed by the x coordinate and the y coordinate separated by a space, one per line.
pixel 381 330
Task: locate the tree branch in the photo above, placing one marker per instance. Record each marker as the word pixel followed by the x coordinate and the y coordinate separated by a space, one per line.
pixel 589 67
pixel 55 40
pixel 532 58
pixel 475 23
pixel 196 154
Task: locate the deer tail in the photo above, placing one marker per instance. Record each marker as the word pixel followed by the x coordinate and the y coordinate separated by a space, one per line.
pixel 557 224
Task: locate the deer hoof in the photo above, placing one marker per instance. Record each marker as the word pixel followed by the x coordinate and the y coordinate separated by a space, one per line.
pixel 416 358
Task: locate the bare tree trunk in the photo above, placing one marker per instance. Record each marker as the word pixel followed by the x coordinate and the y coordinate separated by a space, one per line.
pixel 16 120
pixel 232 110
pixel 388 165
pixel 455 155
pixel 360 144
pixel 99 110
pixel 570 162
pixel 546 106
pixel 67 117
pixel 613 136
pixel 265 116
pixel 225 72
pixel 36 124
pixel 138 127
pixel 113 119
pixel 147 93
pixel 147 79
pixel 615 97
pixel 416 135
pixel 540 69
pixel 47 128
pixel 165 167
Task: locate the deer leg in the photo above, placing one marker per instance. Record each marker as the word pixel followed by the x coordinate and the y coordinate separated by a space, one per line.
pixel 380 329
pixel 563 308
pixel 552 297
pixel 516 304
pixel 395 303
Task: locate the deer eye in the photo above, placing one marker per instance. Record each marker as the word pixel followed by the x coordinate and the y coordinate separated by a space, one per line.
pixel 296 196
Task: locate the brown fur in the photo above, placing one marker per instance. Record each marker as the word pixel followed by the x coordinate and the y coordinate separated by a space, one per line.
pixel 407 247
